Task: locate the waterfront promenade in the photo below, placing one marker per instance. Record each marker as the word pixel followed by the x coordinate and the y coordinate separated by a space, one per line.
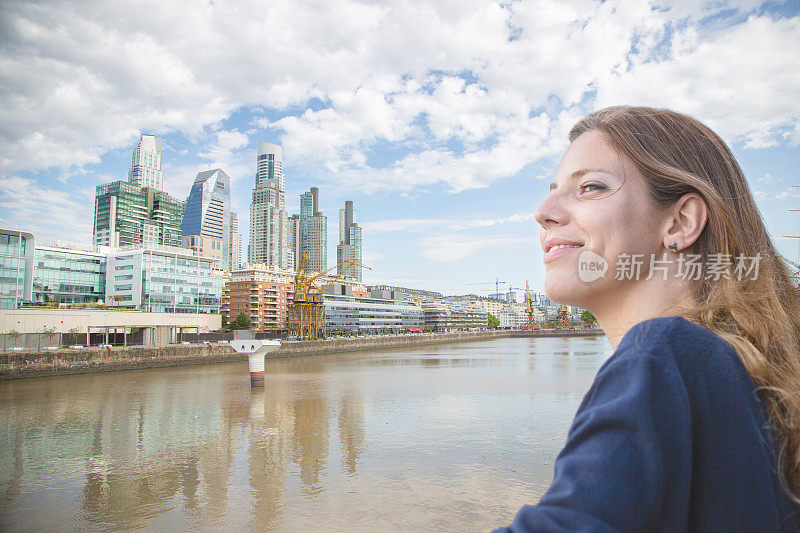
pixel 22 364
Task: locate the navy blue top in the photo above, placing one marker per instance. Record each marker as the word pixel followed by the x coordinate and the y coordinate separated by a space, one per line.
pixel 671 436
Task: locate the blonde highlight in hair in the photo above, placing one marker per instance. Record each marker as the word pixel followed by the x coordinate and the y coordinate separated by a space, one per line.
pixel 759 316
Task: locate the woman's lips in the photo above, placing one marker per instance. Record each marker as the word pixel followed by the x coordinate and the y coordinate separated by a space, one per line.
pixel 555 253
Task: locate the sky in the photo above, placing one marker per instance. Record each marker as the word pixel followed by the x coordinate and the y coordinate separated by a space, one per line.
pixel 443 121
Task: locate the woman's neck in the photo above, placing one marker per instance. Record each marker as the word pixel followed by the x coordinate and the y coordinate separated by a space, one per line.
pixel 628 308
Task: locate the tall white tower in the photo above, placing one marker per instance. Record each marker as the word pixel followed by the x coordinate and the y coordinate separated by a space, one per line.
pixel 268 224
pixel 145 168
pixel 349 242
pixel 235 244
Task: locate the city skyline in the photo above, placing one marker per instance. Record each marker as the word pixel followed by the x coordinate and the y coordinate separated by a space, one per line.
pixel 446 155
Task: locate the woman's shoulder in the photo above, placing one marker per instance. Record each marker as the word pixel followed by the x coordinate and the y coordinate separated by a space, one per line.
pixel 694 350
pixel 672 331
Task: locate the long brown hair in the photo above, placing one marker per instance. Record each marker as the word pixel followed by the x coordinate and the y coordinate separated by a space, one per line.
pixel 759 316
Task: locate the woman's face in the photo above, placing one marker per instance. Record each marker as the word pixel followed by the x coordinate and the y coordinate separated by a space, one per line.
pixel 597 204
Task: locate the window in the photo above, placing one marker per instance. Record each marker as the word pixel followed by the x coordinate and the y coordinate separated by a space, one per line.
pixel 123 287
pixel 123 267
pixel 123 277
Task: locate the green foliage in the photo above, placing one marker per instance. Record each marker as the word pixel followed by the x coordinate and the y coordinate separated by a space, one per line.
pixel 56 305
pixel 241 322
pixel 588 318
pixel 494 322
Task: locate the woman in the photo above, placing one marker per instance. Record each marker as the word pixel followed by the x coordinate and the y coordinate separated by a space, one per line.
pixel 694 422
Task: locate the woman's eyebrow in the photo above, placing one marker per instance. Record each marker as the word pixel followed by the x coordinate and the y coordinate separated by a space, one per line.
pixel 578 173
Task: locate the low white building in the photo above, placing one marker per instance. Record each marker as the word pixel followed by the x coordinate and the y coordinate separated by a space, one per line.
pixel 512 317
pixel 134 327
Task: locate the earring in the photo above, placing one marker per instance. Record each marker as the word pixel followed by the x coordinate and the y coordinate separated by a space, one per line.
pixel 673 246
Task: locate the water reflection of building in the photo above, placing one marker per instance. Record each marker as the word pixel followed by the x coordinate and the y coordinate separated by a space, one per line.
pixel 351 431
pixel 180 443
pixel 311 434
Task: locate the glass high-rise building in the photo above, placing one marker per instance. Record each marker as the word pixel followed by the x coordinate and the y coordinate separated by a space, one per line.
pixel 268 221
pixel 16 268
pixel 145 168
pixel 126 214
pixel 308 232
pixel 208 211
pixel 349 242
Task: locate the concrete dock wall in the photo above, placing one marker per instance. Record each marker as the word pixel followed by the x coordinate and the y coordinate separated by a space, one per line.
pixel 86 360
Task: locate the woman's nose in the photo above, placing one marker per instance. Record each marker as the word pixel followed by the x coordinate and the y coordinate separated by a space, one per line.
pixel 551 211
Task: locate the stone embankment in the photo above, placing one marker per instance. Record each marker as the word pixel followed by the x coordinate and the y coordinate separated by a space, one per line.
pixel 86 360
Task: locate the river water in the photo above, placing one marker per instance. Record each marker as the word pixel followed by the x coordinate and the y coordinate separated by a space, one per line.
pixel 450 437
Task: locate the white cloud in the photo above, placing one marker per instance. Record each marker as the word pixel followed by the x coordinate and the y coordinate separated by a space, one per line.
pixel 462 94
pixel 739 80
pixel 485 222
pixel 454 247
pixel 403 225
pixel 58 214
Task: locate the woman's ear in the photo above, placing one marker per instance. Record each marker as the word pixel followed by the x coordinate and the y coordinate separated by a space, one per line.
pixel 686 220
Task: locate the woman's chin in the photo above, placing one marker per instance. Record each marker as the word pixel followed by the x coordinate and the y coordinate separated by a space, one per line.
pixel 567 290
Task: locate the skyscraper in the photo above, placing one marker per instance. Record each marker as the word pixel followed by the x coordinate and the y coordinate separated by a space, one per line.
pixel 349 242
pixel 308 232
pixel 145 168
pixel 126 214
pixel 139 211
pixel 347 217
pixel 268 224
pixel 293 240
pixel 207 213
pixel 235 243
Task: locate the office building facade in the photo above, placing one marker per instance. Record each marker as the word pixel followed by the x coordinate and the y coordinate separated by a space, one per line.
pixel 444 315
pixel 69 274
pixel 349 247
pixel 145 168
pixel 17 250
pixel 126 215
pixel 268 221
pixel 208 247
pixel 206 219
pixel 354 313
pixel 162 279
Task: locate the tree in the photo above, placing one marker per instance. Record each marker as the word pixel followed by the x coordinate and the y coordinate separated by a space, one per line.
pixel 588 318
pixel 494 322
pixel 241 322
pixel 224 321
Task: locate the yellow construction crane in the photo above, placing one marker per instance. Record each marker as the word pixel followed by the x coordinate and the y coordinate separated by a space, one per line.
pixel 531 324
pixel 307 308
pixel 563 318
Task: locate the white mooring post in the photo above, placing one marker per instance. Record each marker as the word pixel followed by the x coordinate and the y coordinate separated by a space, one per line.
pixel 257 351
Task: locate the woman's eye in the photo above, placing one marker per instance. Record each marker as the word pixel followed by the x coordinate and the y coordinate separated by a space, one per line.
pixel 592 187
